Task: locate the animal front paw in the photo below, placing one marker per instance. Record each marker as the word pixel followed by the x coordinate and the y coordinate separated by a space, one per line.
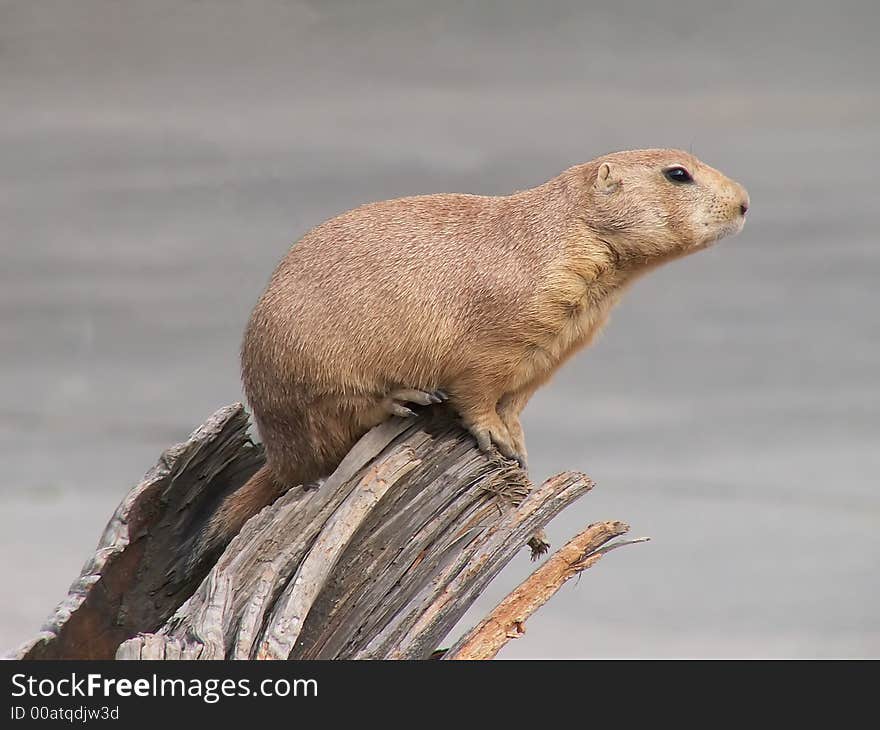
pixel 493 433
pixel 517 437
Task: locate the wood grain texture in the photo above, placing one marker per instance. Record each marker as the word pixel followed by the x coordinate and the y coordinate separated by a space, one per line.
pixel 380 561
pixel 129 584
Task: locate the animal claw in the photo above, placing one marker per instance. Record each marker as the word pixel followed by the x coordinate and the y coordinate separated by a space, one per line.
pixel 399 410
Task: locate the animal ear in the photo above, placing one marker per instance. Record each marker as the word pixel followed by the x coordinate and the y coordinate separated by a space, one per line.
pixel 607 180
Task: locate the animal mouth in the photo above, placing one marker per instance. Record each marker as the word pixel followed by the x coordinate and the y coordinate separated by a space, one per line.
pixel 729 228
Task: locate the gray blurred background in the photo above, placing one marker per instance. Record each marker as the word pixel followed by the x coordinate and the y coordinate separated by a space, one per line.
pixel 158 158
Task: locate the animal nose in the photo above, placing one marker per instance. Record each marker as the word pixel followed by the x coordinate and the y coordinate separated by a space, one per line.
pixel 740 192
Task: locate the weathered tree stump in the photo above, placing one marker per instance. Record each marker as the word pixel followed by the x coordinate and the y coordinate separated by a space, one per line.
pixel 379 562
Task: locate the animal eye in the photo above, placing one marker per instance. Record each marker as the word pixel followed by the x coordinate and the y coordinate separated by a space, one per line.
pixel 677 175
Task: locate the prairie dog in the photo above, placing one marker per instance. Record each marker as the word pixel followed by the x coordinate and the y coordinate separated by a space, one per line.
pixel 472 298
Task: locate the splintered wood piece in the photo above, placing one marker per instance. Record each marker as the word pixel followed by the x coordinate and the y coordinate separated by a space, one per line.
pixel 507 620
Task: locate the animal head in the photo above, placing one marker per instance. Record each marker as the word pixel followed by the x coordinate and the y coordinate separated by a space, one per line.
pixel 660 203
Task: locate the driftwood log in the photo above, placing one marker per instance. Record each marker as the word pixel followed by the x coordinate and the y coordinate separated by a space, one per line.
pixel 380 562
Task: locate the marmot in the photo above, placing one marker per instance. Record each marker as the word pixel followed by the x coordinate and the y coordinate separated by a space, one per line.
pixel 471 298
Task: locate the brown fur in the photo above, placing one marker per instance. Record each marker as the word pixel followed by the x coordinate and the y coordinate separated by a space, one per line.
pixel 484 297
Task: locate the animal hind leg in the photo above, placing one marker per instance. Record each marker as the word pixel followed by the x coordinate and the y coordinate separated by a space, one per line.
pixel 395 404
